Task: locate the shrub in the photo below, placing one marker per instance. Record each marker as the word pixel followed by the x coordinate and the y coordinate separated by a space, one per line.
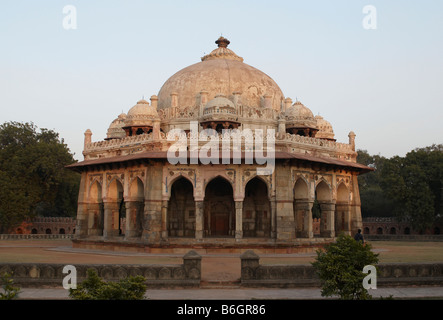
pixel 94 288
pixel 10 292
pixel 340 268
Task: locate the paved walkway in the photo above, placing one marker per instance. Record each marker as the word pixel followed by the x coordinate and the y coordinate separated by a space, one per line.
pixel 224 267
pixel 244 294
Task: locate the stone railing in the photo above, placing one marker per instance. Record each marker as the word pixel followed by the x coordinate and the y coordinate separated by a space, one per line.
pixel 253 274
pixel 187 274
pixel 35 236
pixel 404 237
pixel 292 139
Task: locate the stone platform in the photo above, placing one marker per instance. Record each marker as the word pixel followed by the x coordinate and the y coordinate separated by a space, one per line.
pixel 205 246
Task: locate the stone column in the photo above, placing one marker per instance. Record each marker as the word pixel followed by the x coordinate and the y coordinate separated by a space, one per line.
pixel 153 221
pixel 250 262
pixel 95 225
pixel 327 221
pixel 355 206
pixel 111 219
pixel 343 218
pixel 81 228
pixel 303 215
pixel 238 220
pixel 131 219
pixel 165 219
pixel 199 219
pixel 273 217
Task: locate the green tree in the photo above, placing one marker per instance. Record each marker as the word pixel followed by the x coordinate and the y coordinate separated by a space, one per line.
pixel 414 182
pixel 94 288
pixel 374 201
pixel 340 268
pixel 33 177
pixel 9 291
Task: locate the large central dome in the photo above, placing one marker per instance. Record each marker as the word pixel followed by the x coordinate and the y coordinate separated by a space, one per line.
pixel 220 72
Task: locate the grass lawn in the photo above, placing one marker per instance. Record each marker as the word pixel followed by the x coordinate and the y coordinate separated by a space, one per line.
pixel 389 252
pixel 42 251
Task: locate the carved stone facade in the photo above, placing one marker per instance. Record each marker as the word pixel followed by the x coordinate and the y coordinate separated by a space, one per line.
pixel 130 175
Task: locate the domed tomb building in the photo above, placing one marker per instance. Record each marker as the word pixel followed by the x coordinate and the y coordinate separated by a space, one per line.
pixel 132 191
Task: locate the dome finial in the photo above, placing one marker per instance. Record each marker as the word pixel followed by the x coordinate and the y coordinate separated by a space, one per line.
pixel 222 42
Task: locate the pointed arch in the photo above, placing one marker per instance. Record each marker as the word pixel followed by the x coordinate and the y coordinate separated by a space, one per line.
pixel 174 179
pixel 115 190
pixel 256 217
pixel 266 183
pixel 181 208
pixel 132 210
pixel 301 189
pixel 343 195
pixel 95 192
pixel 323 191
pixel 136 189
pixel 343 210
pixel 219 207
pixel 95 209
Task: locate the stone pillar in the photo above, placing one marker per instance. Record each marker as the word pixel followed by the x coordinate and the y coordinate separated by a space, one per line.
pixel 288 104
pixel 152 229
pixel 351 136
pixel 165 219
pixel 343 218
pixel 199 205
pixel 238 220
pixel 281 127
pixel 285 230
pixel 156 129
pixel 192 265
pixel 87 140
pixel 356 220
pixel 273 218
pixel 250 262
pixel 303 216
pixel 132 208
pixel 267 101
pixel 327 221
pixel 174 99
pixel 237 98
pixel 111 219
pixel 154 100
pixel 95 223
pixel 81 228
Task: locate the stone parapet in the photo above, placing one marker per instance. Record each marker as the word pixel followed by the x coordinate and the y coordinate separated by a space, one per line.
pixel 254 274
pixel 187 274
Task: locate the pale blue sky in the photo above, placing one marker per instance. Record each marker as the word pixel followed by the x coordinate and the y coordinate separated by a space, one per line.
pixel 386 85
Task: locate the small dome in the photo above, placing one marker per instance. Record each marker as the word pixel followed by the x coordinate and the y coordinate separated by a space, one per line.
pixel 220 108
pixel 325 129
pixel 299 116
pixel 220 100
pixel 115 130
pixel 299 111
pixel 141 114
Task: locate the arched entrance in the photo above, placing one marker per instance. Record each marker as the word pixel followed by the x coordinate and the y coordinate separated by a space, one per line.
pixel 302 210
pixel 219 208
pixel 256 210
pixel 323 194
pixel 114 210
pixel 343 210
pixel 134 207
pixel 95 210
pixel 181 209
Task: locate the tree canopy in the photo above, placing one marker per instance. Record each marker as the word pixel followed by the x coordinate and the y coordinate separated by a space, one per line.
pixel 33 177
pixel 409 188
